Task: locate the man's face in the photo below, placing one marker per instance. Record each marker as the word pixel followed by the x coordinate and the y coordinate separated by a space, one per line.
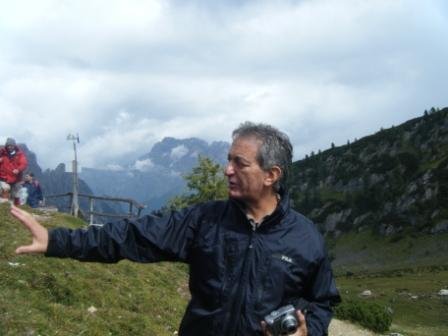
pixel 10 148
pixel 246 179
pixel 28 178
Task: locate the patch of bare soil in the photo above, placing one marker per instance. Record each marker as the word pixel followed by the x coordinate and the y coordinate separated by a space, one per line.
pixel 344 328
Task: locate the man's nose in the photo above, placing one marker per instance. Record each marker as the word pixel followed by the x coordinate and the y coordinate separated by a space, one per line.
pixel 229 169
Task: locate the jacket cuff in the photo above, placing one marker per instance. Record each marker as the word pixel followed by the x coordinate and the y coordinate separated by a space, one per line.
pixel 53 248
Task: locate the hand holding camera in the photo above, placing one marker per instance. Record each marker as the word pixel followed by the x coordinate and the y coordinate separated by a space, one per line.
pixel 285 321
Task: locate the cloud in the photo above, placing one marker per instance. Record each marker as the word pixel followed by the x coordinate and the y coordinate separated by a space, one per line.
pixel 125 74
pixel 178 152
pixel 114 167
pixel 143 165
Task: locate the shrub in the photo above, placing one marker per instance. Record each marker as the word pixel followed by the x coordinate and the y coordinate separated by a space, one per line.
pixel 367 314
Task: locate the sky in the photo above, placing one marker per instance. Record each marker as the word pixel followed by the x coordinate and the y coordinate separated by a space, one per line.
pixel 124 74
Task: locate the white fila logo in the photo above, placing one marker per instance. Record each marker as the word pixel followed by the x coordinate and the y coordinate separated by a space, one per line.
pixel 287 259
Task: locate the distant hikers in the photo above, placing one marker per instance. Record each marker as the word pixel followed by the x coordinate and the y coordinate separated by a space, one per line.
pixel 12 164
pixel 34 195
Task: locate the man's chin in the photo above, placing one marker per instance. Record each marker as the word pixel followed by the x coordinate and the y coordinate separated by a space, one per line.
pixel 234 195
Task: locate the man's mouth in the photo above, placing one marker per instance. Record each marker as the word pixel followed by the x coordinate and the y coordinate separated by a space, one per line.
pixel 232 184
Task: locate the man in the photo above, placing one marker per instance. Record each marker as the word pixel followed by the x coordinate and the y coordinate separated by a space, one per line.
pixel 34 190
pixel 248 255
pixel 12 163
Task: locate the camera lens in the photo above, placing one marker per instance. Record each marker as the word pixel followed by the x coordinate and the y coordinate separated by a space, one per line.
pixel 289 325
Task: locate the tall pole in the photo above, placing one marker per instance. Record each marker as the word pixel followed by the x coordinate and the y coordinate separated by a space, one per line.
pixel 75 204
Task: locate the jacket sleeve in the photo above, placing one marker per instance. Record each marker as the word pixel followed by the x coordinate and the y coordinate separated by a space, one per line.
pixel 323 294
pixel 147 239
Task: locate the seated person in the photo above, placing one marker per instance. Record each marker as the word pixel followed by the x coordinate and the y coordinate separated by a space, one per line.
pixel 34 190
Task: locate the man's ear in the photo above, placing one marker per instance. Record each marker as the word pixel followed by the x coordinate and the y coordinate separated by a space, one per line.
pixel 273 175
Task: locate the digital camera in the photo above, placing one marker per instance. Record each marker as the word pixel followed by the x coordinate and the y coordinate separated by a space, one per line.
pixel 282 321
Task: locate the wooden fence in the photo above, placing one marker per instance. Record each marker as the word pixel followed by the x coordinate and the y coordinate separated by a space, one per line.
pixel 134 207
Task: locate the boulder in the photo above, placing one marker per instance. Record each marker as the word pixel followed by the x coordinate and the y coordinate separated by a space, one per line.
pixel 440 227
pixel 366 293
pixel 361 219
pixel 443 292
pixel 333 219
pixel 389 229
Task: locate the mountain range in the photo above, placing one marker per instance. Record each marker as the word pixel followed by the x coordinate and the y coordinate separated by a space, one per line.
pixel 157 176
pixel 393 182
pixel 150 179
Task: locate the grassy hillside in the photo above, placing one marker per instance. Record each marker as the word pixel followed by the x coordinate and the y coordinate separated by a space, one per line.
pixel 365 252
pixel 411 296
pixel 404 274
pixel 46 296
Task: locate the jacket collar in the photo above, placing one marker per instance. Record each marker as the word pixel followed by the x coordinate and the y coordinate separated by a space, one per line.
pixel 15 151
pixel 280 211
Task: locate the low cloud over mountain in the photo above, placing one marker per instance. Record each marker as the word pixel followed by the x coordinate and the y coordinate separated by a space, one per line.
pixel 157 176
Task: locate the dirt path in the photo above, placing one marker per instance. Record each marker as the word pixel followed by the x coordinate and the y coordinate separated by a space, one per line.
pixel 344 328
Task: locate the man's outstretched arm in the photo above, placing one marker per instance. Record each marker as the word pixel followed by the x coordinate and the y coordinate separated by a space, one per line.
pixel 147 239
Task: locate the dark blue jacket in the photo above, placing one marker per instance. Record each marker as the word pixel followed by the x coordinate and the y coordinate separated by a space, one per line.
pixel 237 274
pixel 34 193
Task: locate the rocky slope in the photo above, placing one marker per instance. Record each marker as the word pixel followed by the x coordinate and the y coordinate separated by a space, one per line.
pixel 392 182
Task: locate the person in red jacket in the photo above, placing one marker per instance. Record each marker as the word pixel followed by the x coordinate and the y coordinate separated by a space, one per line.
pixel 12 164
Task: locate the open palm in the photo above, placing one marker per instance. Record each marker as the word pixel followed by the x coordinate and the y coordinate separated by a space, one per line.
pixel 38 232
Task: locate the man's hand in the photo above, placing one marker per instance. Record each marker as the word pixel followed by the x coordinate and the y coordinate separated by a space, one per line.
pixel 15 171
pixel 301 330
pixel 39 233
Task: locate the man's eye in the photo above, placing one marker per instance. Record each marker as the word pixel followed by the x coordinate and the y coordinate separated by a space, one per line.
pixel 239 162
pixel 243 164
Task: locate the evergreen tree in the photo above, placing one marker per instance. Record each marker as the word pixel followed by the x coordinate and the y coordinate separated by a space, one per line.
pixel 206 182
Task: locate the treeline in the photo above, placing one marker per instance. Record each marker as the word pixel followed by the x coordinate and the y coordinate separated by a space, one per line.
pixel 391 181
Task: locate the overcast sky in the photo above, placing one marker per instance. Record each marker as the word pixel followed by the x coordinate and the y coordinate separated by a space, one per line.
pixel 126 73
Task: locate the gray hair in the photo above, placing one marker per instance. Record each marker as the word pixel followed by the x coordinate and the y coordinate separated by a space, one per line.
pixel 275 148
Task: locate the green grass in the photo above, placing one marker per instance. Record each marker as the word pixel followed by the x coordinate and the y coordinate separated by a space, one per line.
pixel 327 194
pixel 49 296
pixel 435 163
pixel 416 308
pixel 404 272
pixel 365 252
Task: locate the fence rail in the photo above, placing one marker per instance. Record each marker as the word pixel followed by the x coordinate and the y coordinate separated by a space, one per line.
pixel 135 208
